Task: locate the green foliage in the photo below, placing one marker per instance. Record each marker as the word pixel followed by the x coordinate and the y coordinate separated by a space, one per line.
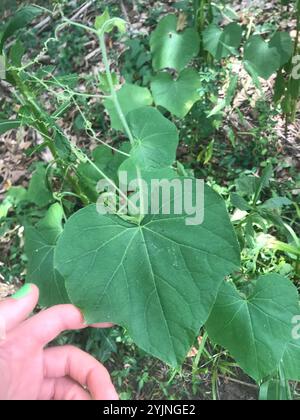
pixel 107 161
pixel 9 125
pixel 40 245
pixel 154 269
pixel 222 43
pixel 287 86
pixel 155 139
pixel 38 190
pixel 105 24
pixel 291 360
pixel 21 18
pixel 249 198
pixel 256 329
pixel 101 20
pixel 155 275
pixel 13 198
pixel 136 62
pixel 130 97
pixel 266 58
pixel 171 48
pixel 177 96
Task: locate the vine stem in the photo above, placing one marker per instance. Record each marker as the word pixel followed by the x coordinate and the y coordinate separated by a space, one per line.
pixel 113 92
pixel 101 37
pixel 41 127
pixel 121 115
pixel 93 136
pixel 108 179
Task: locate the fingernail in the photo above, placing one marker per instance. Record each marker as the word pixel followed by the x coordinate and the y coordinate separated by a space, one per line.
pixel 23 292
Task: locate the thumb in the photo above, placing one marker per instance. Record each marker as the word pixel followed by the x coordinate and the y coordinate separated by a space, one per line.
pixel 17 308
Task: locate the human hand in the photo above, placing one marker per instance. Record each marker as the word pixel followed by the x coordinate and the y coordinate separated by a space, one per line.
pixel 28 371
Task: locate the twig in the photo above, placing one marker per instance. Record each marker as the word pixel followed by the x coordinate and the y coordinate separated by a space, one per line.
pixel 124 11
pixel 82 9
pixel 92 54
pixel 236 381
pixel 41 26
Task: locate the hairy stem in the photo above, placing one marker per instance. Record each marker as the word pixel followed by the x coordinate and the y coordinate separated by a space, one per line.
pixel 122 117
pixel 114 95
pixel 41 126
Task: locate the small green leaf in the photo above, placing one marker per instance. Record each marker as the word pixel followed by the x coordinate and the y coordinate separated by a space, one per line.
pixel 67 80
pixel 267 58
pixel 247 185
pixel 156 139
pixel 13 198
pixel 264 181
pixel 20 19
pixel 231 91
pixel 40 242
pixel 5 206
pixel 172 49
pixel 63 147
pixel 103 81
pixel 108 162
pixel 105 23
pixel 38 191
pixel 177 96
pixel 8 125
pixel 218 108
pixel 239 202
pixel 102 19
pixel 283 44
pixel 16 53
pixel 257 329
pixel 131 97
pixel 222 43
pixel 276 203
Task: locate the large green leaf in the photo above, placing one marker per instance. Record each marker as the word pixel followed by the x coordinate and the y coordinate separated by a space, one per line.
pixel 20 19
pixel 257 329
pixel 173 49
pixel 177 96
pixel 8 125
pixel 130 168
pixel 158 279
pixel 40 242
pixel 222 43
pixel 266 58
pixel 131 97
pixel 156 139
